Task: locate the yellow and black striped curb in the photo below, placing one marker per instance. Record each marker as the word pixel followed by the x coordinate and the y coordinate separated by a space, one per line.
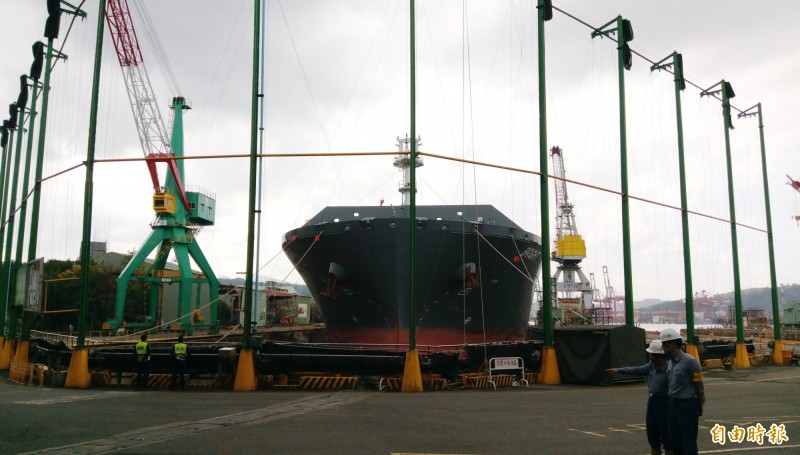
pixel 428 384
pixel 503 380
pixel 328 382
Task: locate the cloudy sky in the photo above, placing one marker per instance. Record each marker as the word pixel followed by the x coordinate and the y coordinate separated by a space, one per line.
pixel 337 81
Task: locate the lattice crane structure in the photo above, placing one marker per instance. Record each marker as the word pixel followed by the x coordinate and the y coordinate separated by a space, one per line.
pixel 613 303
pixel 796 185
pixel 569 251
pixel 179 213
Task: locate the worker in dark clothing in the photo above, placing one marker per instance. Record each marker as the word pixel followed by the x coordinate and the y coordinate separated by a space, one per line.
pixel 686 393
pixel 180 356
pixel 142 354
pixel 658 402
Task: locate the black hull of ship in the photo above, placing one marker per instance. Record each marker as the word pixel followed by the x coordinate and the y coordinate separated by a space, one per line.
pixel 473 280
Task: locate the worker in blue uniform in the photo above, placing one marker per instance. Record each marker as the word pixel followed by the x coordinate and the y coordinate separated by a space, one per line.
pixel 658 401
pixel 142 356
pixel 180 357
pixel 686 393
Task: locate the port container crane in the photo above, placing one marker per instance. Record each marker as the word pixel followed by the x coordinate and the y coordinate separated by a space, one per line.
pixel 570 249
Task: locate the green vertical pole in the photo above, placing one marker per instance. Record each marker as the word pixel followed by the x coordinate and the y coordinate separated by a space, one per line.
pixel 623 153
pixel 549 373
pixel 544 198
pixel 251 213
pixel 4 175
pixel 622 26
pixel 687 254
pixel 412 226
pixel 8 294
pixel 412 376
pixel 28 317
pixel 776 310
pixel 680 84
pixel 737 290
pixel 23 209
pixel 89 184
pixel 741 359
pixel 34 234
pixel 245 371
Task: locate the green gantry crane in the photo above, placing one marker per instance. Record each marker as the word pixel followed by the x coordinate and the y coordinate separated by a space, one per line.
pixel 179 213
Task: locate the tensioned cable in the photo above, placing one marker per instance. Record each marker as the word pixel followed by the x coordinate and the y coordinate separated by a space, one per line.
pixel 160 55
pixel 468 67
pixel 652 62
pixel 516 247
pixel 432 155
pixel 527 277
pixel 64 41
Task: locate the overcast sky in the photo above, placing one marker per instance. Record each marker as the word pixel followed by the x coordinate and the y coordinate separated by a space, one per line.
pixel 337 80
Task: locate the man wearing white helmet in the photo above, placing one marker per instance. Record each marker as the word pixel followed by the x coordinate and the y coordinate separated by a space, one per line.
pixel 686 394
pixel 658 402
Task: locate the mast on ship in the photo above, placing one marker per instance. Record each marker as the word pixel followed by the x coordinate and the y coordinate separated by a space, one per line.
pixel 403 162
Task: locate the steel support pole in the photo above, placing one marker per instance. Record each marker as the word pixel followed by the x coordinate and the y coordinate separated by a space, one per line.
pixel 245 370
pixel 623 155
pixel 5 175
pixel 78 373
pixel 251 212
pixel 677 66
pixel 37 189
pixel 776 309
pixel 8 270
pixel 412 376
pixel 544 198
pixel 549 373
pixel 741 359
pixel 88 192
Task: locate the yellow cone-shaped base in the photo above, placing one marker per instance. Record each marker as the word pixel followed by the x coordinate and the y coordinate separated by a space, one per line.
pixel 549 373
pixel 21 360
pixel 6 354
pixel 741 360
pixel 691 349
pixel 777 353
pixel 412 375
pixel 78 376
pixel 245 373
pixel 21 355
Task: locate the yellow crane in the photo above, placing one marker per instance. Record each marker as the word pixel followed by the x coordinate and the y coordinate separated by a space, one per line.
pixel 569 251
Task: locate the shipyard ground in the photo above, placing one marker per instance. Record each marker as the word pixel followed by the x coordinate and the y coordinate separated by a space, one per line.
pixel 544 419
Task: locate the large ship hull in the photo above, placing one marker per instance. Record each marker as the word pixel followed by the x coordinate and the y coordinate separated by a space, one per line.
pixel 474 274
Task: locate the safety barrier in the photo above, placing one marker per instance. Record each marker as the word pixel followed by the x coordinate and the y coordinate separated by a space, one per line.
pixel 475 382
pixel 712 363
pixel 328 382
pixel 760 359
pixel 532 378
pixel 394 384
pixel 508 364
pixel 19 372
pixel 502 380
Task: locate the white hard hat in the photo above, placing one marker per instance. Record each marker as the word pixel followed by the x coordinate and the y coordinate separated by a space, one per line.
pixel 655 347
pixel 669 335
